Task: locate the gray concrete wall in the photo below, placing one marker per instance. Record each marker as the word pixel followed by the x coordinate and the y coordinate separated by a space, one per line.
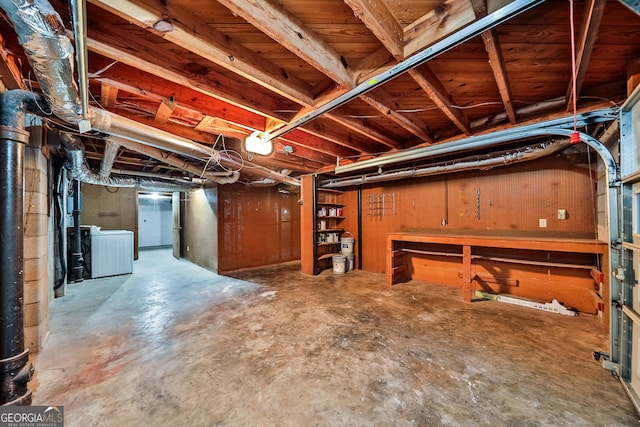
pixel 200 228
pixel 38 283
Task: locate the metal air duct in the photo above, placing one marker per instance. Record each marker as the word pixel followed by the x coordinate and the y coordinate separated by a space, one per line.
pixel 471 163
pixel 42 34
pixel 109 157
pixel 483 141
pixel 74 150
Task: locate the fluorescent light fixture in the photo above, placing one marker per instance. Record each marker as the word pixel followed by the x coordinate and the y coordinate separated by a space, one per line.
pixel 258 143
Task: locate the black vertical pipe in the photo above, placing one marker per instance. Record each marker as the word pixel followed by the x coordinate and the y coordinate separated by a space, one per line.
pixel 359 227
pixel 15 371
pixel 314 202
pixel 77 262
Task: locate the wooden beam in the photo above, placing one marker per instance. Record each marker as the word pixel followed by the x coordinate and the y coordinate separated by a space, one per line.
pixel 290 32
pixel 9 71
pixel 231 114
pixel 363 129
pixel 136 84
pixel 496 61
pixel 273 124
pixel 191 34
pixel 372 65
pixel 205 123
pixel 434 88
pixel 108 95
pixel 287 161
pixel 379 20
pixel 492 46
pixel 352 124
pixel 223 89
pixel 586 40
pixel 339 136
pixel 444 19
pixel 413 126
pixel 165 109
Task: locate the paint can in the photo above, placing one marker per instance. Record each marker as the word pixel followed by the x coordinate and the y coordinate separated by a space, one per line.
pixel 351 261
pixel 347 243
pixel 339 264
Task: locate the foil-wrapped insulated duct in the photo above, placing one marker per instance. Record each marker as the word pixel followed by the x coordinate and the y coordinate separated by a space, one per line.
pixel 74 151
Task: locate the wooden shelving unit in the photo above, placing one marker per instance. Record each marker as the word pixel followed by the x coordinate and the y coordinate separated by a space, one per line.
pixel 322 214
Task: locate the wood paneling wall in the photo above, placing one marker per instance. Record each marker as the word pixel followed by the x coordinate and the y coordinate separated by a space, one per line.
pixel 111 209
pixel 257 226
pixel 512 200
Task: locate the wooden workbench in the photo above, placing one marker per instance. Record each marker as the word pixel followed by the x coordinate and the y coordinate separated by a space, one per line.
pixel 511 249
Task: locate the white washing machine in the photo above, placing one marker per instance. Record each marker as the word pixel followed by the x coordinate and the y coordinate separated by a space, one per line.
pixel 111 252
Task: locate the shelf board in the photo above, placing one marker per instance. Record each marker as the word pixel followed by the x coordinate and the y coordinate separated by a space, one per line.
pixel 326 256
pixel 331 230
pixel 329 204
pixel 330 190
pixel 331 217
pixel 327 243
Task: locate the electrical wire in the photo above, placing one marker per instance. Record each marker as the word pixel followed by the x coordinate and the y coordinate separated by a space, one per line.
pixel 35 100
pixel 215 156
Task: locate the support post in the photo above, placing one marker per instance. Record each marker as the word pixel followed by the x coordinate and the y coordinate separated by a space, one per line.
pixel 15 369
pixel 466 273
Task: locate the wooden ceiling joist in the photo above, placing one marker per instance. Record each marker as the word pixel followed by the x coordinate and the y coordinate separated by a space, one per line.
pixel 276 22
pixel 416 128
pixel 188 32
pixel 226 90
pixel 585 42
pixel 443 20
pixel 379 20
pixel 496 61
pixel 280 25
pixel 9 71
pixel 238 118
pixel 429 82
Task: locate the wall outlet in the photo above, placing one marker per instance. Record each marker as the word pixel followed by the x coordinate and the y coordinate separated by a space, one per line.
pixel 562 214
pixel 542 223
pixel 187 248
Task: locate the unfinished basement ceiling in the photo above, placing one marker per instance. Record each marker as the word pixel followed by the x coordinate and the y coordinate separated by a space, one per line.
pixel 200 70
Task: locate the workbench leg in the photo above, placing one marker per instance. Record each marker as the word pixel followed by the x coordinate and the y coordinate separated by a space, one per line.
pixel 466 273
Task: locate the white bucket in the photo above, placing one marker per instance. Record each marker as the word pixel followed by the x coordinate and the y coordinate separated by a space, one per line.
pixel 351 261
pixel 346 244
pixel 339 264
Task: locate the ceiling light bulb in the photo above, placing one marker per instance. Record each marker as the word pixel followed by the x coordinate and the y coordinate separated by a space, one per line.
pixel 259 143
pixel 163 26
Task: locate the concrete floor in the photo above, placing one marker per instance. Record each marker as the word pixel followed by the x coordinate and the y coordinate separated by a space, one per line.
pixel 175 345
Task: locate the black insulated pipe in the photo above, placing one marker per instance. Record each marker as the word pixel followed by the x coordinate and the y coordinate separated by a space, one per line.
pixel 15 371
pixel 77 261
